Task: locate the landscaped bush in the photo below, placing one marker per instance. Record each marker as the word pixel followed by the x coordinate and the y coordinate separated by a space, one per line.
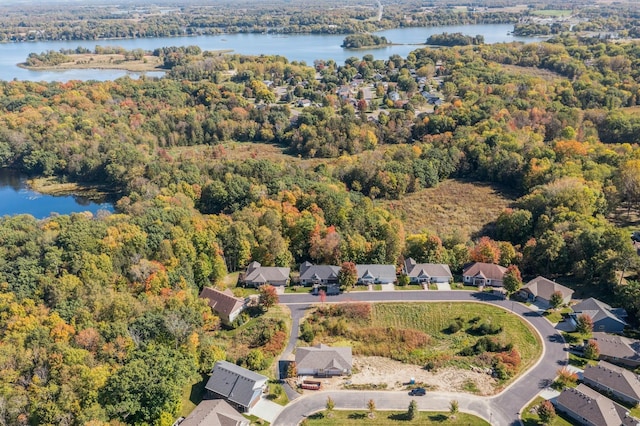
pixel 485 329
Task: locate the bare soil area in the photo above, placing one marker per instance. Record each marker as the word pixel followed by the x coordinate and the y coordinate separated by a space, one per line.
pixel 396 376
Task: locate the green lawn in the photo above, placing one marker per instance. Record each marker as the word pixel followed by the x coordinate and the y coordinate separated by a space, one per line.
pixel 556 315
pixel 530 418
pixel 384 418
pixel 192 395
pixel 409 287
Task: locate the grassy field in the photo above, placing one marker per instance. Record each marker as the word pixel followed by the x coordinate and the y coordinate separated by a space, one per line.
pixel 384 418
pixel 111 61
pixel 421 333
pixel 192 395
pixel 453 207
pixel 435 318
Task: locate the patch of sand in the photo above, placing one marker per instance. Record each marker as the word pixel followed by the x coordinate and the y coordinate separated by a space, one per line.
pixel 396 375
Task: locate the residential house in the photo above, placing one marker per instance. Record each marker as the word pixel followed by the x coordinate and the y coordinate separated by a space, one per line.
pixel 394 96
pixel 257 275
pixel 344 92
pixel 618 349
pixel 240 387
pixel 541 289
pixel 481 274
pixel 323 360
pixel 623 384
pixel 376 274
pixel 215 412
pixel 605 318
pixel 304 103
pixel 311 274
pixel 224 303
pixel 588 407
pixel 427 272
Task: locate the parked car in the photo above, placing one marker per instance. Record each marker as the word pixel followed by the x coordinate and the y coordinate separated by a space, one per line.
pixel 418 392
pixel 636 236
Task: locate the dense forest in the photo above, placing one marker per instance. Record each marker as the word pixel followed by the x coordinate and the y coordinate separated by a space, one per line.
pixel 94 309
pixel 357 41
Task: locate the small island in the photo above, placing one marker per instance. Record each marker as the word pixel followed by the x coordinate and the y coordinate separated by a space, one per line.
pixel 454 39
pixel 136 60
pixel 363 41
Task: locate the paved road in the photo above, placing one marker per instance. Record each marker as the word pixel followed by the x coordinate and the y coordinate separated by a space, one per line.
pixel 502 409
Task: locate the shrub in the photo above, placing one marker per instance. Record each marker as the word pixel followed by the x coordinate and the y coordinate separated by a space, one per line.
pixel 455 326
pixel 546 412
pixel 591 350
pixel 565 378
pixel 485 329
pixel 306 332
pixel 584 324
pixel 412 412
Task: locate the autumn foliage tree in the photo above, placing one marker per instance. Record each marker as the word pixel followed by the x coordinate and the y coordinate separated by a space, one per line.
pixel 268 296
pixel 584 324
pixel 546 412
pixel 512 279
pixel 486 250
pixel 348 275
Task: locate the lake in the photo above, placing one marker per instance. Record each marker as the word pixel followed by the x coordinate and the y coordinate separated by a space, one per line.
pixel 296 47
pixel 17 198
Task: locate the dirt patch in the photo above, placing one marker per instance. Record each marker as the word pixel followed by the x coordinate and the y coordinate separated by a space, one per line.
pixel 396 376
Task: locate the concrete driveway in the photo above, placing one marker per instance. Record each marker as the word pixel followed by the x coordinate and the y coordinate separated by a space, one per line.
pixel 267 410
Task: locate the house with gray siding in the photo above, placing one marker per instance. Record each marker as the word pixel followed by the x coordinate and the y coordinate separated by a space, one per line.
pixel 419 273
pixel 311 274
pixel 215 412
pixel 323 360
pixel 607 378
pixel 605 318
pixel 541 289
pixel 238 386
pixel 257 275
pixel 618 350
pixel 588 407
pixel 376 274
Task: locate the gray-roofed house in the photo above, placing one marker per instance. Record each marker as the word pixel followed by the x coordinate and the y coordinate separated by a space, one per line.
pixel 224 303
pixel 588 407
pixel 541 289
pixel 323 360
pixel 311 274
pixel 214 412
pixel 618 349
pixel 481 274
pixel 605 318
pixel 427 272
pixel 257 275
pixel 240 387
pixel 623 384
pixel 376 274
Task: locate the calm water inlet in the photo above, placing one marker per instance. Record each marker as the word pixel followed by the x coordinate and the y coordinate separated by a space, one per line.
pixel 17 198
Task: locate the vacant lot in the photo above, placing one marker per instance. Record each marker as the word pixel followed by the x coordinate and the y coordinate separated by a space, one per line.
pixel 435 337
pixel 454 206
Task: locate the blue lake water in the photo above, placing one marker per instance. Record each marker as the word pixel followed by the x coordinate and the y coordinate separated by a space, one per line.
pixel 295 47
pixel 17 198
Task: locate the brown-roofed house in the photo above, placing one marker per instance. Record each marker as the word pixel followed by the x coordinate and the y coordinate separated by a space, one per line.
pixel 620 382
pixel 224 303
pixel 618 349
pixel 215 412
pixel 323 360
pixel 541 289
pixel 481 274
pixel 588 407
pixel 257 275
